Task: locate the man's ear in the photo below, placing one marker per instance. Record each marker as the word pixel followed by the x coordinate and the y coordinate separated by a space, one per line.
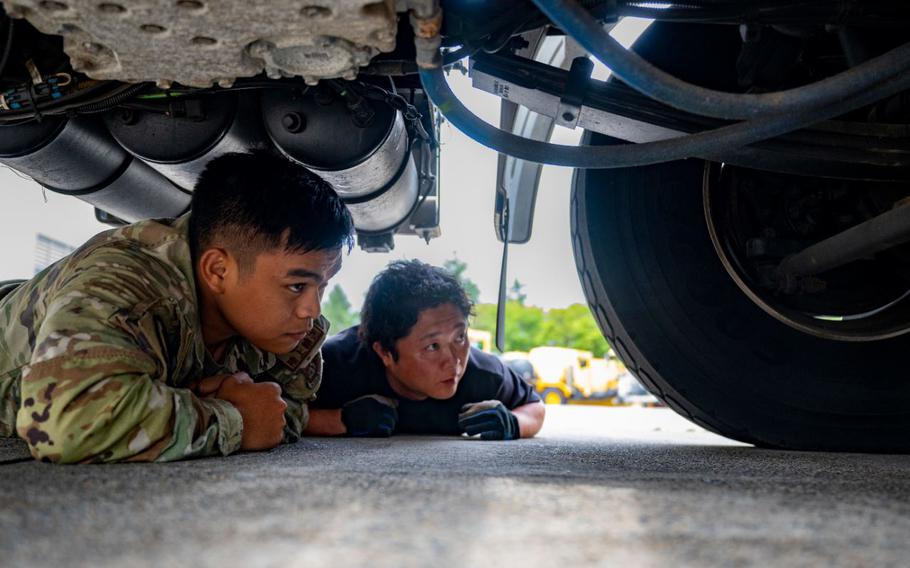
pixel 386 356
pixel 213 268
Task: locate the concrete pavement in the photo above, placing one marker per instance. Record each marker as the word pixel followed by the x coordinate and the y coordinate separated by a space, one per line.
pixel 600 486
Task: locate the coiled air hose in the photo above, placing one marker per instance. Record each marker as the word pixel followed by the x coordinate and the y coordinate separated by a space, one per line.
pixel 576 22
pixel 710 144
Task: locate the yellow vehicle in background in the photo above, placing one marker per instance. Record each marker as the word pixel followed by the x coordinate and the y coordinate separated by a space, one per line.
pixel 565 374
pixel 519 361
pixel 480 339
pixel 605 375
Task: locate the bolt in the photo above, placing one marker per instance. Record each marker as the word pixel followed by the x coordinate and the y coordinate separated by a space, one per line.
pixel 111 8
pixel 294 122
pixel 163 84
pixel 225 82
pixel 568 116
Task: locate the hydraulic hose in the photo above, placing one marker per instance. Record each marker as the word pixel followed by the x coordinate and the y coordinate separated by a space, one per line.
pixel 711 144
pixel 651 81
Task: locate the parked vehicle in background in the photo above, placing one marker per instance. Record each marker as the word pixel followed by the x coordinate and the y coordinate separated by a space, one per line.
pixel 480 339
pixel 565 374
pixel 630 392
pixel 519 362
pixel 604 376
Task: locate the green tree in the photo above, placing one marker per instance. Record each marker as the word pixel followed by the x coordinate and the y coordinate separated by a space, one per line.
pixel 337 309
pixel 524 324
pixel 529 326
pixel 457 268
pixel 574 327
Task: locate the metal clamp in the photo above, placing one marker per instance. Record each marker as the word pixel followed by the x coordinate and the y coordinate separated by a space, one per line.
pixel 576 88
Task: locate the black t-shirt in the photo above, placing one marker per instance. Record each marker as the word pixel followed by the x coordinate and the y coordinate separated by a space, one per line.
pixel 352 369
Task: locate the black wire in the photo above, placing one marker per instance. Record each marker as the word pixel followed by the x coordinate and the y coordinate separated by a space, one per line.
pixel 95 104
pixel 397 102
pixel 8 48
pixel 114 100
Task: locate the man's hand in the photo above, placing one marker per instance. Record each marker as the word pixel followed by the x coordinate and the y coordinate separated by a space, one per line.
pixel 372 416
pixel 260 405
pixel 210 385
pixel 490 418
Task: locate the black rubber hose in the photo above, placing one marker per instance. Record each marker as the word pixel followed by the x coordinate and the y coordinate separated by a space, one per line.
pixel 651 81
pixel 710 144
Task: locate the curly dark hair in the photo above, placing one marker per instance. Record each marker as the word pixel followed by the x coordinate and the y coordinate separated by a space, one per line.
pixel 399 293
pixel 259 201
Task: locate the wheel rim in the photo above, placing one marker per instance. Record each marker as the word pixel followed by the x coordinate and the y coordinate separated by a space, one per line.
pixel 865 314
pixel 552 398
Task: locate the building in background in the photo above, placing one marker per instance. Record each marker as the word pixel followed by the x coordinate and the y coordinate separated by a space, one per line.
pixel 48 251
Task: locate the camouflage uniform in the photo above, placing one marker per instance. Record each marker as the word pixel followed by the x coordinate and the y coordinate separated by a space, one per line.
pixel 97 352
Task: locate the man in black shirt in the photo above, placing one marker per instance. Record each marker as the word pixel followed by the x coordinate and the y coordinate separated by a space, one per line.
pixel 409 368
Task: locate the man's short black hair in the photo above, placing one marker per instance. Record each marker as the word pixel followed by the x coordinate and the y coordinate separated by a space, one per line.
pixel 250 203
pixel 399 293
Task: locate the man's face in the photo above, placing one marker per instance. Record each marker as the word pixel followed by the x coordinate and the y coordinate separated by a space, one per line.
pixel 432 357
pixel 273 305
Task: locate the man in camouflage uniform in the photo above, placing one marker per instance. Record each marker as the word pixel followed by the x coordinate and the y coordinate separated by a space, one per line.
pixel 173 339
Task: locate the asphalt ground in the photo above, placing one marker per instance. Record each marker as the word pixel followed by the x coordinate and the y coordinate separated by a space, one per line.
pixel 599 486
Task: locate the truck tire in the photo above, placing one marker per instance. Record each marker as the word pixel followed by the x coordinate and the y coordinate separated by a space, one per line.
pixel 664 301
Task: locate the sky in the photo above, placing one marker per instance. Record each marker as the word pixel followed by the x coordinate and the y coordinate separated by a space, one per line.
pixel 544 265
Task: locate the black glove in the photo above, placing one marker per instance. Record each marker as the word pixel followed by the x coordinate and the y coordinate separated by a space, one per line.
pixel 371 416
pixel 490 418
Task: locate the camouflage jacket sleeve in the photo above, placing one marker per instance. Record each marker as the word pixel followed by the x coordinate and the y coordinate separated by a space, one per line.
pixel 299 373
pixel 297 393
pixel 96 387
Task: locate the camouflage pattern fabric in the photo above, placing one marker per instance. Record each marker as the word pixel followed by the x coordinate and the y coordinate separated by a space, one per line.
pixel 97 353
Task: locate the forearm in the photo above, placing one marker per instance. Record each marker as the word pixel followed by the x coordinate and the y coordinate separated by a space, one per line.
pixel 123 417
pixel 325 422
pixel 530 418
